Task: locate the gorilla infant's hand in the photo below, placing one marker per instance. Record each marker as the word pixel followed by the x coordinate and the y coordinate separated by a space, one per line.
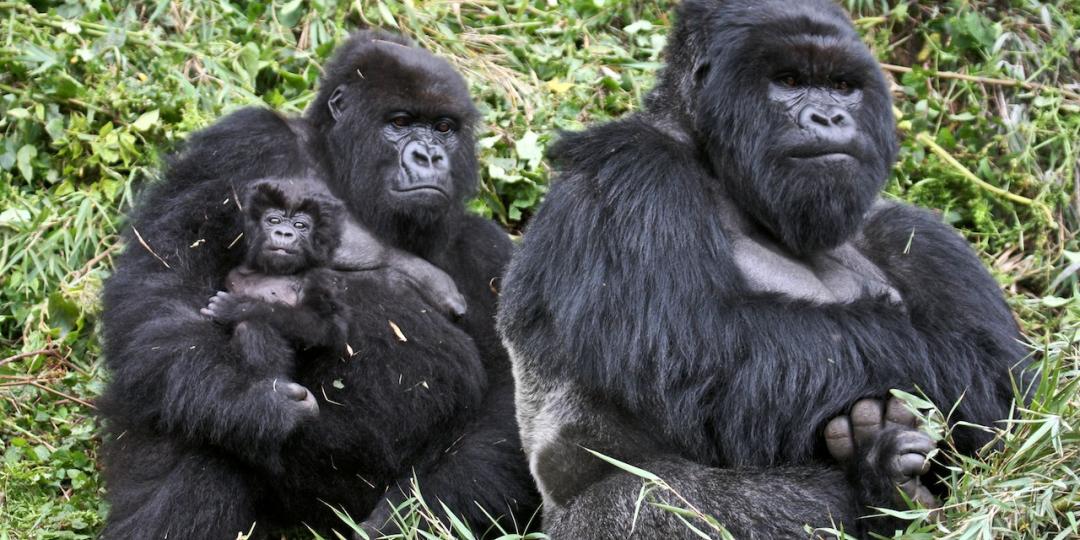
pixel 881 445
pixel 225 308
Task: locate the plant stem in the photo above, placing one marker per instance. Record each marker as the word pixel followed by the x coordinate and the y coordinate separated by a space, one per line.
pixel 1037 87
pixel 927 140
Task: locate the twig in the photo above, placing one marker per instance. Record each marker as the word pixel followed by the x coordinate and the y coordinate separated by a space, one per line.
pixel 84 403
pixel 147 246
pixel 82 272
pixel 925 139
pixel 29 435
pixel 1038 87
pixel 42 352
pixel 139 37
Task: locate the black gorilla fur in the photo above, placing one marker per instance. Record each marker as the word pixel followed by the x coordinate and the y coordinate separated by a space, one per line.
pixel 198 448
pixel 711 280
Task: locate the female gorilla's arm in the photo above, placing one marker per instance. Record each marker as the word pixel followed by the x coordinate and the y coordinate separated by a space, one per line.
pixel 172 368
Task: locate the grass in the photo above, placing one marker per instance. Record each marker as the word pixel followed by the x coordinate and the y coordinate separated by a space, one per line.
pixel 92 92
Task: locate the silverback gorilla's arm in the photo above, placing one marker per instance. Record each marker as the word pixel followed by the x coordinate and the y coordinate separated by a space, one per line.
pixel 361 251
pixel 636 336
pixel 586 497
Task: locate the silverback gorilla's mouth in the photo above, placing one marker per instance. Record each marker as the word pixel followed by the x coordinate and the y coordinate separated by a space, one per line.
pixel 828 156
pixel 819 151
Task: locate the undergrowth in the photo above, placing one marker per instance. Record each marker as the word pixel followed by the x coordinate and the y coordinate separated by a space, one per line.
pixel 93 92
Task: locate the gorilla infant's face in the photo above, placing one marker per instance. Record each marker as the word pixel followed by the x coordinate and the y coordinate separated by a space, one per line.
pixel 290 225
pixel 798 120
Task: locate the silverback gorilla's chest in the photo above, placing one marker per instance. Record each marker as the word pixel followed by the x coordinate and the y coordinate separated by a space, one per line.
pixel 839 275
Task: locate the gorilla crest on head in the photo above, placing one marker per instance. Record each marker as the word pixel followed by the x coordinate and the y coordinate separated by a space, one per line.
pixel 791 109
pixel 397 125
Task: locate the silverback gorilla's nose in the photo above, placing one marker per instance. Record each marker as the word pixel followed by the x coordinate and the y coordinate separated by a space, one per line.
pixel 422 156
pixel 829 123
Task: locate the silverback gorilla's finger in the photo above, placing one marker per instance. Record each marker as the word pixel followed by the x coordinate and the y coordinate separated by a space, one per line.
pixel 927 499
pixel 911 440
pixel 866 419
pixel 913 464
pixel 896 412
pixel 838 439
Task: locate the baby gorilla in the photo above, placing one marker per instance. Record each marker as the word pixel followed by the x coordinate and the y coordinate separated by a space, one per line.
pixel 283 297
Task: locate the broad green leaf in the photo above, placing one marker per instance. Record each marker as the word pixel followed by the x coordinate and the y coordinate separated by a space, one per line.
pixel 23 161
pixel 146 120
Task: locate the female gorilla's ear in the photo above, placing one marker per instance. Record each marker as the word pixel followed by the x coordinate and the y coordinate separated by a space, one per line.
pixel 336 103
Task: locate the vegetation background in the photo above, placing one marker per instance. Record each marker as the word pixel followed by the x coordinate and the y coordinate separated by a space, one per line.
pixel 94 92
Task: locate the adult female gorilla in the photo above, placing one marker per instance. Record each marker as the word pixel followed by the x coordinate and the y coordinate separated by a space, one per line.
pixel 198 447
pixel 715 278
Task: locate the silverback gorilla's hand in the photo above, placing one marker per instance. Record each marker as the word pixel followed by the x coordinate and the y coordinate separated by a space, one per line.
pixel 883 449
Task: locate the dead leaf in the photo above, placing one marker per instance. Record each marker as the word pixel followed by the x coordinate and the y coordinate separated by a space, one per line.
pixel 397 332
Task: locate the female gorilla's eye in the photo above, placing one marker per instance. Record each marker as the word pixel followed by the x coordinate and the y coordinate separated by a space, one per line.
pixel 788 80
pixel 443 126
pixel 400 120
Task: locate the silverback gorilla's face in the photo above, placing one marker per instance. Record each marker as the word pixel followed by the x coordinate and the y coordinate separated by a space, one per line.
pixel 399 132
pixel 797 117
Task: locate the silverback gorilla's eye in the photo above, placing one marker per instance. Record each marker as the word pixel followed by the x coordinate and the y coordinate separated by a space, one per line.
pixel 443 126
pixel 842 86
pixel 789 80
pixel 400 121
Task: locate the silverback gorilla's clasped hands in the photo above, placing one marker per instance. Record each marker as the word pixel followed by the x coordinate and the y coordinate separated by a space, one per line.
pixel 715 292
pixel 236 412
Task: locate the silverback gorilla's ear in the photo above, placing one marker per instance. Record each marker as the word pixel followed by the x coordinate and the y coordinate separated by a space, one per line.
pixel 336 103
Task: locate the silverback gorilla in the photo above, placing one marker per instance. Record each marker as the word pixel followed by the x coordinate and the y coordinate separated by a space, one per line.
pixel 197 446
pixel 715 280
